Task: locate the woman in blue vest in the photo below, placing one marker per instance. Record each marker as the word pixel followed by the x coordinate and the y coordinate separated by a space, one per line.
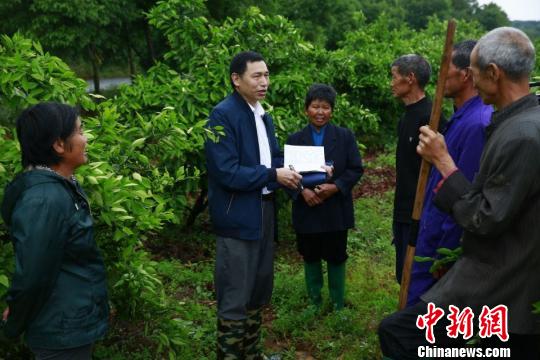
pixel 323 213
pixel 58 293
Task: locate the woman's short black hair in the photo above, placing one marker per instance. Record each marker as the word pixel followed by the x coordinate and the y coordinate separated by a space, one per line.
pixel 39 126
pixel 320 92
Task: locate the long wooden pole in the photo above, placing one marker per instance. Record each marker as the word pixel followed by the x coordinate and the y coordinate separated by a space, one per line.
pixel 425 167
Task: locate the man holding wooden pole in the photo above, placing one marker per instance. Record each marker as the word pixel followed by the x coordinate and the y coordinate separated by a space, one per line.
pixel 465 136
pixel 499 211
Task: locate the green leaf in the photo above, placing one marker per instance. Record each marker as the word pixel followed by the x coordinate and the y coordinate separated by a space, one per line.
pixel 445 251
pixel 138 142
pixel 92 180
pixel 423 258
pixel 97 96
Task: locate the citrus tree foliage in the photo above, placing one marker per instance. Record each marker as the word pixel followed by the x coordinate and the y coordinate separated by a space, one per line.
pixel 29 75
pixel 73 28
pixel 162 137
pixel 319 21
pixel 94 31
pixel 362 64
pixel 201 52
pixel 125 203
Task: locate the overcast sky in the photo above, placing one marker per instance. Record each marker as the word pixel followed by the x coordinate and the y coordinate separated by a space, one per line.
pixel 518 9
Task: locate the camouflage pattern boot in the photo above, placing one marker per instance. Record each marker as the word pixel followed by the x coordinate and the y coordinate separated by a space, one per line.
pixel 252 335
pixel 230 339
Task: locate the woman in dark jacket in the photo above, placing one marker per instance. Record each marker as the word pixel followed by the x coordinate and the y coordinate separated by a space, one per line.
pixel 323 214
pixel 58 293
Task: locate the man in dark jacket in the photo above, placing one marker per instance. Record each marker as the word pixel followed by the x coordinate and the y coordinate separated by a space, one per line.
pixel 242 176
pixel 410 74
pixel 499 212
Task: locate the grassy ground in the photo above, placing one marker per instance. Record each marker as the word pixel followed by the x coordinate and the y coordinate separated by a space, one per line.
pixel 372 293
pixel 183 326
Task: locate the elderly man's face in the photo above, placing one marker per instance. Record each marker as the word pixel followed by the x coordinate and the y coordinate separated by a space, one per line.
pixel 401 85
pixel 487 88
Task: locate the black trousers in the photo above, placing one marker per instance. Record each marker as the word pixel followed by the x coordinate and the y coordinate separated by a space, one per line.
pixel 400 338
pixel 329 246
pixel 401 241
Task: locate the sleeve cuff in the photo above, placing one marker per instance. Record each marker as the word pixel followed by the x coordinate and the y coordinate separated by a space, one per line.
pixel 272 175
pixel 451 190
pixel 441 182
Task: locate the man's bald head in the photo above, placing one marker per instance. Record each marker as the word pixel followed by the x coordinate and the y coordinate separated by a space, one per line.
pixel 510 49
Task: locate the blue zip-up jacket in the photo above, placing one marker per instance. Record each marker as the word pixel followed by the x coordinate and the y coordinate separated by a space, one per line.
pixel 235 174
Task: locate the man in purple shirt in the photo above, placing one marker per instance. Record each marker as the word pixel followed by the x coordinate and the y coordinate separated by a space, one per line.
pixel 465 137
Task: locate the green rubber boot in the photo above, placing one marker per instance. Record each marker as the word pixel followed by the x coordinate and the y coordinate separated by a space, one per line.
pixel 336 284
pixel 314 281
pixel 230 339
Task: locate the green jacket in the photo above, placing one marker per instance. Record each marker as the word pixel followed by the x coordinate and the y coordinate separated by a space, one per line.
pixel 58 293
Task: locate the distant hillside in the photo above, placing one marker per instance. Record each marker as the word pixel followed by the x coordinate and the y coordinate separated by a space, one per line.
pixel 531 28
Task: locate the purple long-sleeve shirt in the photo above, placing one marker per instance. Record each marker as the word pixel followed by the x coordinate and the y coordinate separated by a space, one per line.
pixel 465 138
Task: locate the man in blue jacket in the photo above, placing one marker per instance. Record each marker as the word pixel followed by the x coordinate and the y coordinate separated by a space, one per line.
pixel 242 174
pixel 465 137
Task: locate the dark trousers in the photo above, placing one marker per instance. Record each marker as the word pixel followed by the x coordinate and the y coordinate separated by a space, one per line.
pixel 244 272
pixel 401 241
pixel 329 246
pixel 79 353
pixel 400 338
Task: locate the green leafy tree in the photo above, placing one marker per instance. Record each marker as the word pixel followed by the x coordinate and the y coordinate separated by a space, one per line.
pixel 419 11
pixel 321 22
pixel 361 66
pixel 464 9
pixel 491 16
pixel 128 193
pixel 69 28
pixel 93 30
pixel 29 75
